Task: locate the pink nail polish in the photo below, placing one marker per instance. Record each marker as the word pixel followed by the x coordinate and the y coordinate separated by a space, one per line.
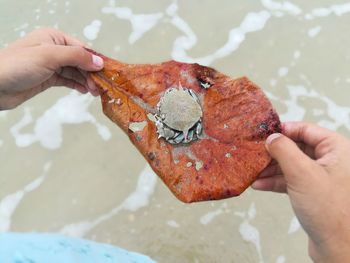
pixel 272 137
pixel 98 61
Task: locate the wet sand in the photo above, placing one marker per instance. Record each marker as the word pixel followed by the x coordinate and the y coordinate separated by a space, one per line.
pixel 66 168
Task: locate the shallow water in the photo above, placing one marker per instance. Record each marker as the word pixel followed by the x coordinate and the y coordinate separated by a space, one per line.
pixel 66 168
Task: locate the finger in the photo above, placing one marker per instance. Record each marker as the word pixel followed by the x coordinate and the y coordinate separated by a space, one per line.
pixel 308 133
pixel 61 38
pixel 47 35
pixel 298 169
pixel 71 41
pixel 67 40
pixel 62 56
pixel 92 87
pixel 274 184
pixel 83 72
pixel 307 149
pixel 61 81
pixel 271 170
pixel 90 84
pixel 78 76
pixel 73 74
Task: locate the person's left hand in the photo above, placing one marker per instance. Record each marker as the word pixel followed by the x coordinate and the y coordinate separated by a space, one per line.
pixel 42 59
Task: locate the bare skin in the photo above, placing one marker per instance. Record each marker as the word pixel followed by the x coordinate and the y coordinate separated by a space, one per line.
pixel 312 166
pixel 42 59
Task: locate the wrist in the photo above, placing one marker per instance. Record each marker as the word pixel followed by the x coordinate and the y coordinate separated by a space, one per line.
pixel 334 251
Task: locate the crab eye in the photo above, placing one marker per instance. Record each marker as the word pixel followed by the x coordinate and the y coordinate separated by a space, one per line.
pixel 204 84
pixel 264 126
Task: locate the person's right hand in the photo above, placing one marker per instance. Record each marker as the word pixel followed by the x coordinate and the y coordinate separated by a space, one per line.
pixel 316 177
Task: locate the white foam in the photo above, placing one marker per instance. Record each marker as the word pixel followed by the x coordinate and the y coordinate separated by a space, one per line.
pixel 284 7
pixel 117 48
pixel 173 223
pixel 337 115
pixel 184 42
pixel 283 71
pixel 208 217
pixel 10 202
pixel 172 9
pixel 141 23
pixel 253 21
pixel 23 140
pixel 48 128
pixel 318 112
pixel 294 225
pixel 252 211
pixel 281 259
pixel 248 232
pixel 7 206
pixel 296 54
pixel 305 79
pixel 338 10
pixel 312 32
pixel 91 31
pixel 273 82
pixel 111 2
pixel 239 214
pixel 136 200
pixel 295 112
pixel 251 234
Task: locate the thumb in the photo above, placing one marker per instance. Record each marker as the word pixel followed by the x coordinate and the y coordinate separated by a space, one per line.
pixel 73 56
pixel 298 168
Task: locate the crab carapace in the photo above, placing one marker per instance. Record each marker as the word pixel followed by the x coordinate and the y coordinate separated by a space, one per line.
pixel 202 132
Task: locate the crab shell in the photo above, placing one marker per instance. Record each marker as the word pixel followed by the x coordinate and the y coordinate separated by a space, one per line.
pixel 179 109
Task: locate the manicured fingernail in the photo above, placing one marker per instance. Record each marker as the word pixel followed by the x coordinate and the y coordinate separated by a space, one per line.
pixel 91 84
pixel 98 61
pixel 272 137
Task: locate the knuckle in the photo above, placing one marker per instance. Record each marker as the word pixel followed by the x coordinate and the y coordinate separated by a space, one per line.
pixel 303 131
pixel 79 52
pixel 82 56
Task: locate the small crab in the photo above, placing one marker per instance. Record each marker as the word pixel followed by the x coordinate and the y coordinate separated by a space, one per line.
pixel 179 116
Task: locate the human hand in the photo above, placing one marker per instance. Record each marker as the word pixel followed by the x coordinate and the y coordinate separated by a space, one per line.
pixel 42 59
pixel 317 181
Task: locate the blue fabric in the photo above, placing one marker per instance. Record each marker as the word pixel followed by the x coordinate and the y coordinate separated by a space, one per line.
pixel 52 248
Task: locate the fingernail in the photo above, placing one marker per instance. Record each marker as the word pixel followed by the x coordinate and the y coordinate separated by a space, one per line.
pixel 98 61
pixel 91 84
pixel 256 185
pixel 272 137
